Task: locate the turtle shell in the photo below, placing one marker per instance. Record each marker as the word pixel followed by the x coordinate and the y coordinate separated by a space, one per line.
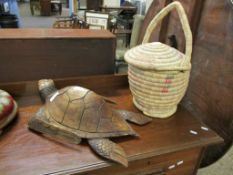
pixel 85 113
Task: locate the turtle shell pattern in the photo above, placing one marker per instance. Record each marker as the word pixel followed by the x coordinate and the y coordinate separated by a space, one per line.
pixel 85 113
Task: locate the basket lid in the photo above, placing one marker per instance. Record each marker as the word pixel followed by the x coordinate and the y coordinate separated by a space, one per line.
pixel 157 56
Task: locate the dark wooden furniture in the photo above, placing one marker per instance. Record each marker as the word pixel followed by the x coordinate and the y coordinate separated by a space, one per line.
pixel 210 93
pixel 170 31
pixel 70 22
pixel 164 146
pixel 94 5
pixel 56 5
pixel 45 7
pixel 105 8
pixel 32 54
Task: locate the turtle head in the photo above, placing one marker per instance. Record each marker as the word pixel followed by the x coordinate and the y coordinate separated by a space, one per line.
pixel 46 88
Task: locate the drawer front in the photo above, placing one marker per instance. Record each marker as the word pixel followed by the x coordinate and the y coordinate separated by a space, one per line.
pixel 178 163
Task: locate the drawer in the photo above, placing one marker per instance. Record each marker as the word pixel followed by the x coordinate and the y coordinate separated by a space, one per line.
pixel 177 163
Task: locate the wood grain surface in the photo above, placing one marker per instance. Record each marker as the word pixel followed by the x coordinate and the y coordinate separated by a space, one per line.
pixel 53 33
pixel 25 152
pixel 171 25
pixel 94 5
pixel 174 26
pixel 155 7
pixel 32 54
pixel 210 93
pixel 158 165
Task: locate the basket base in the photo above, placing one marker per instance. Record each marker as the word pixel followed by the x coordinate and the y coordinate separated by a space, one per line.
pixel 156 113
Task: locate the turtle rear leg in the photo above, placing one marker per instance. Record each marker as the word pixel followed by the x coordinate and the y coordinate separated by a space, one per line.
pixel 108 149
pixel 40 123
pixel 133 117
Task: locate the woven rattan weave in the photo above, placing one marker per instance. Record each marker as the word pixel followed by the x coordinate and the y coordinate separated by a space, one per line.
pixel 159 74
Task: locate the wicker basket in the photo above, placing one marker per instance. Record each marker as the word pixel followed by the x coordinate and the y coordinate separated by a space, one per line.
pixel 159 74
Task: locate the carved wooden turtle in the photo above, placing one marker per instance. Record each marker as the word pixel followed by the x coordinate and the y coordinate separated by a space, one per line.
pixel 74 113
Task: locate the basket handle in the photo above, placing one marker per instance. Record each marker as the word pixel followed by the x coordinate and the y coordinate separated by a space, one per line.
pixel 184 21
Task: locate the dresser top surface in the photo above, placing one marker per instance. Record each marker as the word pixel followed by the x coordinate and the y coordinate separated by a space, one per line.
pixel 40 33
pixel 25 152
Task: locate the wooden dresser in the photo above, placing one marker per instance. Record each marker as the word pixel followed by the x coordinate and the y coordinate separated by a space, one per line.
pixel 172 146
pixel 31 54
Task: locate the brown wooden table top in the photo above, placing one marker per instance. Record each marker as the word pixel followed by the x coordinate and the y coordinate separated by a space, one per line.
pixel 40 33
pixel 24 152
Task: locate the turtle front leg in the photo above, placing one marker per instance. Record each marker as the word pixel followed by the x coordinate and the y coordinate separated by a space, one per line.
pixel 133 117
pixel 46 88
pixel 108 149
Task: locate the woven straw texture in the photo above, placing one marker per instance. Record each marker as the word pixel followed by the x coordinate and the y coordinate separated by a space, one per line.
pixel 158 74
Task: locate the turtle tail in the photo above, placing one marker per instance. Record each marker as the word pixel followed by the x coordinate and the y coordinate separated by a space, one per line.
pixel 108 149
pixel 46 88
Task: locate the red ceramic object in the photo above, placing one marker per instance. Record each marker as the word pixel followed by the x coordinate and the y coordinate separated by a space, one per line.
pixel 8 108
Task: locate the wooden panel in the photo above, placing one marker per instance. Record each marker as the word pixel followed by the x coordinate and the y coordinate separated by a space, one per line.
pixel 155 7
pixel 54 34
pixel 171 24
pixel 210 93
pixel 94 5
pixel 53 54
pixel 45 7
pixel 96 83
pixel 159 165
pixel 174 26
pixel 25 152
